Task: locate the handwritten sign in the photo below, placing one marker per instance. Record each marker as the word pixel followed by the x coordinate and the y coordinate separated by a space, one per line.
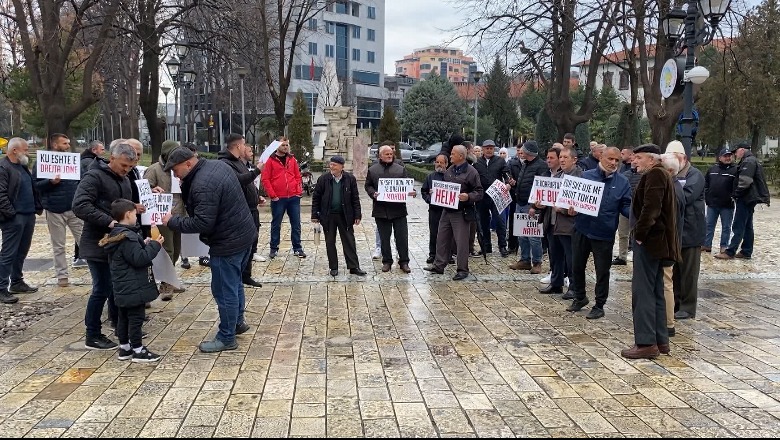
pixel 525 226
pixel 445 194
pixel 545 190
pixel 156 211
pixel 145 194
pixel 500 195
pixel 581 194
pixel 175 184
pixel 269 150
pixel 394 190
pixel 52 163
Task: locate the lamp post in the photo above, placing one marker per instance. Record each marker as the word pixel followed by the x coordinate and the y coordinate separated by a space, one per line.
pixel 173 66
pixel 242 72
pixel 165 91
pixel 230 118
pixel 187 77
pixel 477 77
pixel 685 30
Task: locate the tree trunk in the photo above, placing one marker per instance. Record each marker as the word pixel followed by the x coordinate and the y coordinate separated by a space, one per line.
pixel 150 80
pixel 755 138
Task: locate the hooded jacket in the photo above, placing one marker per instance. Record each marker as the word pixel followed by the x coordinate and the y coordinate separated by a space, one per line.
pixel 282 180
pixel 245 177
pixel 130 260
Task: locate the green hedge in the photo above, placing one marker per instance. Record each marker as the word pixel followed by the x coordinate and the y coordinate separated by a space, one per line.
pixel 419 173
pixel 316 166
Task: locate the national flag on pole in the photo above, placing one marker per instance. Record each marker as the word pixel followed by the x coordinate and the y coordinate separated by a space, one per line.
pixel 311 69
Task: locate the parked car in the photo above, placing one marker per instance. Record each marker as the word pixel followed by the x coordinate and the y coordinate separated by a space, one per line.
pixel 406 152
pixel 428 154
pixel 373 151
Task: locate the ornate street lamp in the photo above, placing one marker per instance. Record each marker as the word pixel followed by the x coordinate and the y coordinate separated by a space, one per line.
pixel 477 77
pixel 242 72
pixel 165 91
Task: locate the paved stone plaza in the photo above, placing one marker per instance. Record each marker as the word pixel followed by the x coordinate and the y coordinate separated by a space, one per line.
pixel 403 355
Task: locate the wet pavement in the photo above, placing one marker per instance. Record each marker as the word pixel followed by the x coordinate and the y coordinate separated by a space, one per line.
pixel 393 354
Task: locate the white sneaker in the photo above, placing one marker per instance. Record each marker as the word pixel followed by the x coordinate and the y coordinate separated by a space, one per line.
pixel 566 281
pixel 547 279
pixel 260 258
pixel 377 254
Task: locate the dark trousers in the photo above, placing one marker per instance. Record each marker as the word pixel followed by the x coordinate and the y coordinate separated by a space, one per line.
pixel 647 299
pixel 487 209
pixel 128 325
pixel 388 227
pixel 557 259
pixel 742 228
pixel 102 291
pixel 453 230
pixel 512 242
pixel 434 215
pixel 76 251
pixel 336 222
pixel 17 237
pixel 565 241
pixel 472 236
pixel 582 247
pixel 686 280
pixel 247 273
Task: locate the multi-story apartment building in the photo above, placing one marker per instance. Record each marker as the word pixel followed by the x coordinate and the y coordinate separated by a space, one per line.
pixel 448 62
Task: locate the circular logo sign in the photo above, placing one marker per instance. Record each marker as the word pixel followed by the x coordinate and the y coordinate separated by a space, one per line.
pixel 668 78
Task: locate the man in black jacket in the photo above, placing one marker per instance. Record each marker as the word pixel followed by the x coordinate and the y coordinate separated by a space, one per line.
pixel 335 204
pixel 718 185
pixel 210 189
pixel 18 205
pixel 515 166
pixel 434 211
pixel 530 247
pixel 491 168
pixel 233 155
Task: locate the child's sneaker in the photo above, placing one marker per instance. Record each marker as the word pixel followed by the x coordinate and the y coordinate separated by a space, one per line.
pixel 125 355
pixel 145 356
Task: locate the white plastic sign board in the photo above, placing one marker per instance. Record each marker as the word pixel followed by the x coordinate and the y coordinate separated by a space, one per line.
pixel 269 150
pixel 154 213
pixel 164 270
pixel 394 190
pixel 50 164
pixel 191 246
pixel 445 194
pixel 545 190
pixel 581 194
pixel 525 226
pixel 500 195
pixel 175 184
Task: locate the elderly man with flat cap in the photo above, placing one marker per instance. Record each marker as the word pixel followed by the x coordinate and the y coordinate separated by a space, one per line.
pixel 336 205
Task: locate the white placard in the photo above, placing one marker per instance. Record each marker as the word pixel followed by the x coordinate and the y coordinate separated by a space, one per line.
pixel 175 184
pixel 269 150
pixel 141 169
pixel 145 194
pixel 164 270
pixel 445 194
pixel 191 246
pixel 154 213
pixel 526 226
pixel 581 194
pixel 49 164
pixel 257 183
pixel 394 190
pixel 500 195
pixel 545 190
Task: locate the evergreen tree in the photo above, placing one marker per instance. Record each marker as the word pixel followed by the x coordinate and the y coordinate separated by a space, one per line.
pixel 532 101
pixel 432 111
pixel 546 131
pixel 582 137
pixel 390 130
pixel 300 127
pixel 627 130
pixel 498 104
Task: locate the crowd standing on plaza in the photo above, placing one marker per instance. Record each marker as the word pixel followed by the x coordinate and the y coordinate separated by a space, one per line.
pixel 652 203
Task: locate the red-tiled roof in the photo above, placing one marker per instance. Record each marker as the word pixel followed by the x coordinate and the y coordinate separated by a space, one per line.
pixel 516 88
pixel 619 57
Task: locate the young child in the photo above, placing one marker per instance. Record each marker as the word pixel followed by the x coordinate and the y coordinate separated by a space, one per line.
pixel 130 258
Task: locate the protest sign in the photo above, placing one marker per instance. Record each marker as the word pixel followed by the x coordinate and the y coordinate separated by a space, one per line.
pixel 581 194
pixel 394 190
pixel 525 226
pixel 545 190
pixel 145 194
pixel 49 164
pixel 445 194
pixel 500 195
pixel 269 150
pixel 191 246
pixel 175 184
pixel 164 270
pixel 156 211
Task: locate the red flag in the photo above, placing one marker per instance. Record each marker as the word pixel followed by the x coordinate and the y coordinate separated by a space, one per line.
pixel 311 69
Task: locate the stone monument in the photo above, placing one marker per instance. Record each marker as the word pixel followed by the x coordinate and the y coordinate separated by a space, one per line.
pixel 360 154
pixel 342 131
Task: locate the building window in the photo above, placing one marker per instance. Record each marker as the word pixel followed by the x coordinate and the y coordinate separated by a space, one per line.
pixel 312 48
pixel 312 24
pixel 607 79
pixel 355 54
pixel 371 56
pixel 399 69
pixel 303 71
pixel 356 32
pixel 342 8
pixel 355 9
pixel 367 78
pixel 330 27
pixel 624 80
pixel 425 67
pixel 371 35
pixel 311 101
pixel 369 108
pixel 330 50
pixel 342 51
pixel 372 12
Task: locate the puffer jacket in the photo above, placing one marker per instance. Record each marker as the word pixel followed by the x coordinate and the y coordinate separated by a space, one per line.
pixel 282 180
pixel 88 160
pixel 615 201
pixel 211 194
pixel 92 203
pixel 245 177
pixel 130 260
pixel 382 170
pixel 525 180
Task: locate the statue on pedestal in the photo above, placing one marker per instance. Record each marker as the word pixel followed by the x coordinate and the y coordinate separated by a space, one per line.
pixel 342 130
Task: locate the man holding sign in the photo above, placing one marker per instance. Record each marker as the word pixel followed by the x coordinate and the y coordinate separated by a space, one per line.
pixel 492 168
pixel 596 234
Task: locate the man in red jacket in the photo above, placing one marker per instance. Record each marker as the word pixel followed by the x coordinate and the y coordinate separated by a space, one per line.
pixel 282 181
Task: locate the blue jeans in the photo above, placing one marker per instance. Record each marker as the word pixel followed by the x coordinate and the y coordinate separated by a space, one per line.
pixel 742 229
pixel 228 292
pixel 726 215
pixel 17 237
pixel 530 247
pixel 291 205
pixel 102 291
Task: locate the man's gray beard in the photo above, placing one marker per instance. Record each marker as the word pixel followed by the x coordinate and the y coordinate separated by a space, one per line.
pixel 24 160
pixel 440 169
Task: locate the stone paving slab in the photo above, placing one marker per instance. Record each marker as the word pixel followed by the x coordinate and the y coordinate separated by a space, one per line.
pixel 403 355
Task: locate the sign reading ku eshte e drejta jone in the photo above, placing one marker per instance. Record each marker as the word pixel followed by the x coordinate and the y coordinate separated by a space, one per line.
pixel 581 194
pixel 50 164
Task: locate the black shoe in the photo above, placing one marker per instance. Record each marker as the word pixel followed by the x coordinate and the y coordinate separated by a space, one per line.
pixel 273 254
pixel 577 305
pixel 251 282
pixel 434 270
pixel 595 313
pixel 430 259
pixel 124 355
pixel 334 272
pixel 683 315
pixel 204 261
pixel 569 295
pixel 99 343
pixel 7 298
pixel 460 276
pixel 357 271
pixel 22 287
pixel 300 253
pixel 452 260
pixel 551 289
pixel 474 254
pixel 185 263
pixel 671 331
pixel 145 356
pixel 619 262
pixel 504 252
pixel 241 328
